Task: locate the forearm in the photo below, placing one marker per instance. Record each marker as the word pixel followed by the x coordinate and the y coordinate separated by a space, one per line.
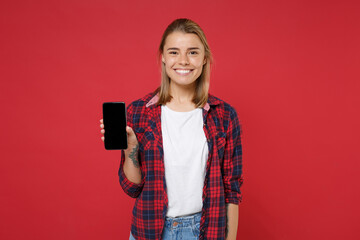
pixel 232 221
pixel 131 165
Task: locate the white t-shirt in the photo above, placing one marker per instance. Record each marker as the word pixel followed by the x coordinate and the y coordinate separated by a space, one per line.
pixel 185 156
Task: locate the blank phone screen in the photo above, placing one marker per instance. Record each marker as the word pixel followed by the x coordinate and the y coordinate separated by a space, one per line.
pixel 114 117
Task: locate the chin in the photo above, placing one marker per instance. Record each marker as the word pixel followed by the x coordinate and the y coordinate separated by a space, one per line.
pixel 184 83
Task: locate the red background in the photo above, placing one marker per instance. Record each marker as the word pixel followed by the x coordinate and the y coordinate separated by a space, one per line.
pixel 290 68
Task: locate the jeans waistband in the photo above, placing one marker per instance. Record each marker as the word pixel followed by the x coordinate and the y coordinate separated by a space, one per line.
pixel 184 221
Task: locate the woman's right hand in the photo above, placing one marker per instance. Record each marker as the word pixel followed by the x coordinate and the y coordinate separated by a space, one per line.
pixel 131 137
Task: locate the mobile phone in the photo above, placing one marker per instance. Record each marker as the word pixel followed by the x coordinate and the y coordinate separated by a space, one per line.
pixel 114 117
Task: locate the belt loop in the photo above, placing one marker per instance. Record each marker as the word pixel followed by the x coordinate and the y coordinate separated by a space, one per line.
pixel 171 222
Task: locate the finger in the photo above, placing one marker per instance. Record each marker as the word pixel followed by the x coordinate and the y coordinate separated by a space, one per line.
pixel 102 138
pixel 102 131
pixel 102 125
pixel 129 130
pixel 101 120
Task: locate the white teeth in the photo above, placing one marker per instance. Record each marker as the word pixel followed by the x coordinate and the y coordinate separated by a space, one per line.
pixel 182 71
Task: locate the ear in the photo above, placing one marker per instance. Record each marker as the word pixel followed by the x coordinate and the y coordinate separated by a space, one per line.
pixel 204 61
pixel 162 58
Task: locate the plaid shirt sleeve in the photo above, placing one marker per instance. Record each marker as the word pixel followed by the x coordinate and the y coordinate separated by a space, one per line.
pixel 130 188
pixel 232 162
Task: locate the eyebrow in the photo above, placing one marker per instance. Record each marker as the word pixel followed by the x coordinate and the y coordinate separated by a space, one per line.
pixel 192 48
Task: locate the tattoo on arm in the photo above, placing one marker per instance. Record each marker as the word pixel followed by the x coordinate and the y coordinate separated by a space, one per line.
pixel 133 156
pixel 227 222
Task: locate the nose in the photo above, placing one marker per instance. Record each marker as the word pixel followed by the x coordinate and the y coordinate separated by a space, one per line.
pixel 184 59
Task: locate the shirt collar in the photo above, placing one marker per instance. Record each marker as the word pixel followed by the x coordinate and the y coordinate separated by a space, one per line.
pixel 212 100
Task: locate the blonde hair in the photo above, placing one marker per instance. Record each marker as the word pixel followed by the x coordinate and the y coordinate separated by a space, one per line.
pixel 203 82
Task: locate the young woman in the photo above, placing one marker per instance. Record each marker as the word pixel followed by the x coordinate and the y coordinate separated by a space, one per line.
pixel 183 163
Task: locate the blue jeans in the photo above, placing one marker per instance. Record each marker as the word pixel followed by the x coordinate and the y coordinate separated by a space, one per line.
pixel 187 227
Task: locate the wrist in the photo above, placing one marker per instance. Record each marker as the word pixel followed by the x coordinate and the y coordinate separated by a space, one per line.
pixel 131 149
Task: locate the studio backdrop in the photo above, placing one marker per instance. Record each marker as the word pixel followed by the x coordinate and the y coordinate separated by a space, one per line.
pixel 289 68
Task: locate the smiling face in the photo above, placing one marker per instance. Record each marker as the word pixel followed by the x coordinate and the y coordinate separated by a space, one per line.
pixel 183 56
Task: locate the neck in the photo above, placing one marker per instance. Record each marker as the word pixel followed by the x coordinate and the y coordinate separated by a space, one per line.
pixel 182 94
